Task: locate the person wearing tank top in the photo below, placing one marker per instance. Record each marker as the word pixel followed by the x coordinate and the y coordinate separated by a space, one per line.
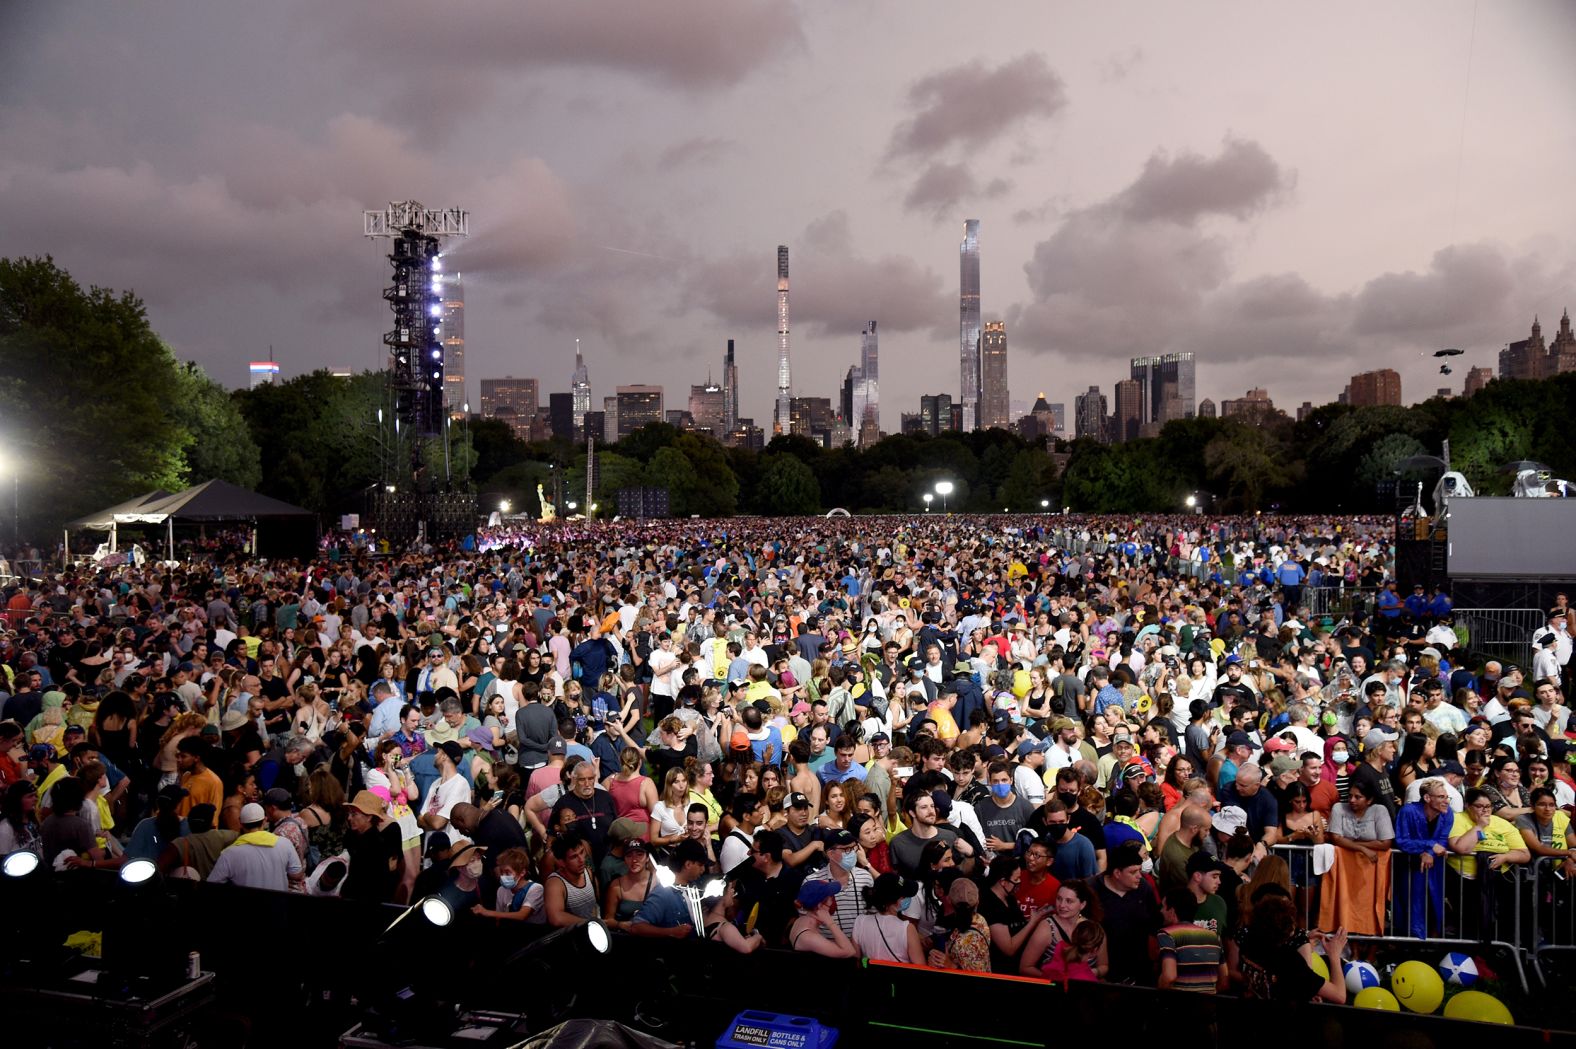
pixel 571 890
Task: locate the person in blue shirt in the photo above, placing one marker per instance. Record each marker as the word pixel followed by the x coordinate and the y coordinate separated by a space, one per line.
pixel 1290 575
pixel 1417 604
pixel 1440 606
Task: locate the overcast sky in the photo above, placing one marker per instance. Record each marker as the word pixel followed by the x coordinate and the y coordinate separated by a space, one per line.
pixel 1292 192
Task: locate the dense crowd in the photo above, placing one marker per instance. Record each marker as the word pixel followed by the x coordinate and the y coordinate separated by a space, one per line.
pixel 946 741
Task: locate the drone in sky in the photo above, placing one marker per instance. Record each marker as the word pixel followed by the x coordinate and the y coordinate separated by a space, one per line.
pixel 1444 367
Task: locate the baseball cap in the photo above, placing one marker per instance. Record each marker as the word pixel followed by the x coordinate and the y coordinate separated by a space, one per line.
pixel 1063 724
pixel 839 839
pixel 1240 738
pixel 556 747
pixel 740 740
pixel 453 750
pixel 1233 660
pixel 1277 745
pixel 1230 819
pixel 638 844
pixel 252 812
pixel 1202 862
pixel 1376 738
pixel 625 829
pixel 798 708
pixel 795 800
pixel 814 893
pixel 277 796
pixel 1452 767
pixel 438 842
pixel 880 737
pixel 995 751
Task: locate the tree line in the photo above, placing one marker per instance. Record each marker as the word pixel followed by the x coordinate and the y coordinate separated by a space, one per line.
pixel 97 408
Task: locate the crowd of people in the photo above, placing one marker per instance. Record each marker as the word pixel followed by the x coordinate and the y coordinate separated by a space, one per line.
pixel 957 742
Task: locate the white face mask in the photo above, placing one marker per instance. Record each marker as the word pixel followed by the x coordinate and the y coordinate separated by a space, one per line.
pixel 1339 756
pixel 1147 866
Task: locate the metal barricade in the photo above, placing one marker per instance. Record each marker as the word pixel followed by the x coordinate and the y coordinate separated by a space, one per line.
pixel 1553 936
pixel 1442 906
pixel 1504 634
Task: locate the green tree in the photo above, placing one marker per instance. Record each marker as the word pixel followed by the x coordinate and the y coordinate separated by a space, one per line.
pixel 495 444
pixel 1030 478
pixel 716 491
pixel 86 391
pixel 1378 466
pixel 221 444
pixel 671 470
pixel 1246 462
pixel 787 487
pixel 643 443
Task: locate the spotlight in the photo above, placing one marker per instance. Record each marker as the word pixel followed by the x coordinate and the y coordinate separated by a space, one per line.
pixel 437 266
pixel 437 310
pixel 664 876
pixel 138 871
pixel 601 940
pixel 436 910
pixel 21 864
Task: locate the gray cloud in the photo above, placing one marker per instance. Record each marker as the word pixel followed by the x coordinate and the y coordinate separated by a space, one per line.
pixel 836 290
pixel 1463 283
pixel 1240 181
pixel 695 151
pixel 971 106
pixel 941 187
pixel 689 44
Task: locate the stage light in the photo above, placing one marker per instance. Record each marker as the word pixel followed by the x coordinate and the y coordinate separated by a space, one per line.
pixel 664 876
pixel 572 504
pixel 437 355
pixel 437 911
pixel 437 266
pixel 714 888
pixel 437 310
pixel 503 507
pixel 138 871
pixel 20 864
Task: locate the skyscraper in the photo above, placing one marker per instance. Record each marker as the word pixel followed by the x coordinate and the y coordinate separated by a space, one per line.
pixel 610 419
pixel 580 389
pixel 1167 386
pixel 1127 416
pixel 969 323
pixel 782 419
pixel 708 409
pixel 262 373
pixel 454 397
pixel 935 411
pixel 1089 414
pixel 637 406
pixel 1477 378
pixel 730 389
pixel 512 400
pixel 561 415
pixel 1381 387
pixel 870 373
pixel 995 404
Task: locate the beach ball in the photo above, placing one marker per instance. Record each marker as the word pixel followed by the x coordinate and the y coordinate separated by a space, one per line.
pixel 1020 683
pixel 1320 966
pixel 1417 986
pixel 1475 1005
pixel 1376 998
pixel 1458 969
pixel 1359 976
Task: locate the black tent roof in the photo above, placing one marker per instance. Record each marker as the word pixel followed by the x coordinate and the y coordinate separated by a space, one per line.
pixel 216 501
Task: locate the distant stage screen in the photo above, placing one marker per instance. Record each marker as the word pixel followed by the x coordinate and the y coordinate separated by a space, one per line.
pixel 1520 538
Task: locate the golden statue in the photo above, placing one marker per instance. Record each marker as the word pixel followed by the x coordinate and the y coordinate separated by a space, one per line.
pixel 549 511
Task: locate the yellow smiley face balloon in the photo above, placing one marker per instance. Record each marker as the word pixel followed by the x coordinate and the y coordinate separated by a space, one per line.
pixel 1417 986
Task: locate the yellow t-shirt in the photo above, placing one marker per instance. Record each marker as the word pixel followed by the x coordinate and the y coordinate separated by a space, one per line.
pixel 946 725
pixel 1500 836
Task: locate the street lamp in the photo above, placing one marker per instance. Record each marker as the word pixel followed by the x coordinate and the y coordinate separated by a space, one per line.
pixel 503 507
pixel 572 504
pixel 943 489
pixel 1191 501
pixel 928 498
pixel 1045 504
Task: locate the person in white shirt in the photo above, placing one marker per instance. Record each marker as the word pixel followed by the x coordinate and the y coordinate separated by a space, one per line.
pixel 1551 715
pixel 448 790
pixel 436 674
pixel 1545 661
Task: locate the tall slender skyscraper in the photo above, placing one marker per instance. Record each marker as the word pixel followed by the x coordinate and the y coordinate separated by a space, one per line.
pixel 995 402
pixel 782 419
pixel 870 373
pixel 454 345
pixel 580 389
pixel 969 323
pixel 730 389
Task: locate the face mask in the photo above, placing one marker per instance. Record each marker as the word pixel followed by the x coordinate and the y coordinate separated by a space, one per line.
pixel 508 881
pixel 848 860
pixel 1340 756
pixel 1070 799
pixel 1147 866
pixel 1001 790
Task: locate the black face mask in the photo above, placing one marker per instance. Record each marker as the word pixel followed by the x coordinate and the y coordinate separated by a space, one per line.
pixel 1071 800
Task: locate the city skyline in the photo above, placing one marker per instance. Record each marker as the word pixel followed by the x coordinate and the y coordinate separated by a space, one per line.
pixel 1150 181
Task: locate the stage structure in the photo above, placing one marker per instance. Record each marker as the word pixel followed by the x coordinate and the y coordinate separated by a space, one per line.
pixel 426 506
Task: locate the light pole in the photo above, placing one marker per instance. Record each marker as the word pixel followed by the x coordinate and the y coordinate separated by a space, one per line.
pixel 1045 504
pixel 943 489
pixel 503 507
pixel 928 498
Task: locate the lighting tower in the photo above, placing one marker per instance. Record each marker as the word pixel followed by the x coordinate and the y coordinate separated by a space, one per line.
pixel 416 296
pixel 781 421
